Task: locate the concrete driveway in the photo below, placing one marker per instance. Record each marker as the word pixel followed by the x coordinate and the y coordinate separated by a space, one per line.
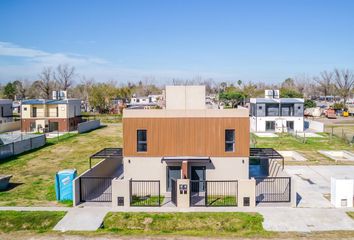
pixel 314 181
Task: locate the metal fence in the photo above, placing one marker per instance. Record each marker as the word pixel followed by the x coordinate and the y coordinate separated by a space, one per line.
pixel 95 189
pixel 21 143
pixel 213 193
pixel 174 191
pixel 273 189
pixel 145 193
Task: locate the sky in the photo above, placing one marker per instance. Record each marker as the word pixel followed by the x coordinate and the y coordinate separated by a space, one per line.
pixel 158 41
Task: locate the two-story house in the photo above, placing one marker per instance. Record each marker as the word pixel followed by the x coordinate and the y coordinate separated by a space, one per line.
pixel 185 140
pixel 274 114
pixel 40 115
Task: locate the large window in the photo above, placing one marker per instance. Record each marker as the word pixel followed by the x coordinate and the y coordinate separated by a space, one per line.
pixel 141 140
pixel 272 110
pixel 287 110
pixel 229 140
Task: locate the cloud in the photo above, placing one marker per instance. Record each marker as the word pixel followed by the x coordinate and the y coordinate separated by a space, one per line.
pixel 20 62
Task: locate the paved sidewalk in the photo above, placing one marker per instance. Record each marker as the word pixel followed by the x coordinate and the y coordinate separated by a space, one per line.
pixel 82 219
pixel 306 219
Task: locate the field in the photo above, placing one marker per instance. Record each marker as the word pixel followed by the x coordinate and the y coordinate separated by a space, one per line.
pixel 33 172
pixel 308 148
pixel 29 221
pixel 192 224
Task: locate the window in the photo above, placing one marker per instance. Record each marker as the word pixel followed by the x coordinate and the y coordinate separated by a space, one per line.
pixel 272 110
pixel 34 112
pixel 229 140
pixel 141 141
pixel 24 109
pixel 260 107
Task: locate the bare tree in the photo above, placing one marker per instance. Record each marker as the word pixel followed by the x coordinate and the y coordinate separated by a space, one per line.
pixel 45 82
pixel 344 83
pixel 64 76
pixel 325 81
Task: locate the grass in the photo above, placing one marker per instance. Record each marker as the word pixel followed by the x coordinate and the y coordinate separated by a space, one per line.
pixel 146 200
pixel 39 221
pixel 308 149
pixel 233 224
pixel 104 118
pixel 33 172
pixel 351 214
pixel 215 200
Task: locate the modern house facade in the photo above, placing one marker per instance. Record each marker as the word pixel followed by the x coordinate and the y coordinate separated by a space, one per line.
pixel 185 140
pixel 40 115
pixel 273 114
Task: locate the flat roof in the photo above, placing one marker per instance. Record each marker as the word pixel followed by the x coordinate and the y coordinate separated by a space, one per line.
pixel 46 101
pixel 198 113
pixel 277 100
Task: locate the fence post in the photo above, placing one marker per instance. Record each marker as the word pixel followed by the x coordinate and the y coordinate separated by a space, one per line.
pixel 206 193
pixel 159 195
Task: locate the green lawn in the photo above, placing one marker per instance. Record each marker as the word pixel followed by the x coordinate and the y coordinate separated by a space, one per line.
pixel 40 221
pixel 33 173
pixel 233 224
pixel 351 214
pixel 215 200
pixel 146 200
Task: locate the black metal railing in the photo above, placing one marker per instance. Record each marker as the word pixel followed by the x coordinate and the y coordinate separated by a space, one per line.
pixel 174 191
pixel 213 193
pixel 273 189
pixel 145 193
pixel 95 189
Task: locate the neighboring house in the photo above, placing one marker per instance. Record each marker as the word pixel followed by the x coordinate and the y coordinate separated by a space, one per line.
pixel 185 140
pixel 6 111
pixel 272 114
pixel 40 115
pixel 144 102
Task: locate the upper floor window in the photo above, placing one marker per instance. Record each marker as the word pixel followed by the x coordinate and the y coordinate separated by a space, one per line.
pixel 34 112
pixel 229 140
pixel 141 140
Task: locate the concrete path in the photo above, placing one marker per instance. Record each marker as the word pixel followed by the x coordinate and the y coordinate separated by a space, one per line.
pixel 306 219
pixel 82 219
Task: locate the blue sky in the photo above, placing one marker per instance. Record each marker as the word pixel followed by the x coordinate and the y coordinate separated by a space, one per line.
pixel 161 40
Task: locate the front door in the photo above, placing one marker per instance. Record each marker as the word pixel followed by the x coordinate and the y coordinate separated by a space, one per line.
pixel 172 172
pixel 290 126
pixel 198 176
pixel 53 126
pixel 270 125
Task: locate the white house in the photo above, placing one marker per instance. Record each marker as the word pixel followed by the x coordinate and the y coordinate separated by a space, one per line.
pixel 273 114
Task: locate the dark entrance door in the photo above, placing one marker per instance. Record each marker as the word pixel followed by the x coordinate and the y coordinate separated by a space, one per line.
pixel 290 125
pixel 270 125
pixel 172 172
pixel 53 126
pixel 198 175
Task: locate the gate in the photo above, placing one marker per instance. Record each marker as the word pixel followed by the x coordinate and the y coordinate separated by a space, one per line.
pixel 95 189
pixel 174 191
pixel 145 193
pixel 213 193
pixel 273 189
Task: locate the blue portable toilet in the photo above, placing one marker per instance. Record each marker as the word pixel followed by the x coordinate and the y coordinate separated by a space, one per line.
pixel 64 184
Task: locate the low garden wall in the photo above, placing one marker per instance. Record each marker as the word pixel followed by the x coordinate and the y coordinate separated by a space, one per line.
pixel 10 126
pixel 88 126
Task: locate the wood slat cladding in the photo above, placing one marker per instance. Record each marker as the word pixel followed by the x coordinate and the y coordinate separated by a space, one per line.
pixel 186 136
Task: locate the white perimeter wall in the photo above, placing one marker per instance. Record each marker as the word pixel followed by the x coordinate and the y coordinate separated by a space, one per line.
pixel 152 168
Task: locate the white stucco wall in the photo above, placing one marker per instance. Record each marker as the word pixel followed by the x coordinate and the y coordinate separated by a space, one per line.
pixel 185 97
pixel 152 168
pixel 259 124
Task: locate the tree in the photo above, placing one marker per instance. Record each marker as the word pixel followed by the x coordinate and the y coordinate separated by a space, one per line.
pixel 239 83
pixel 10 91
pixel 344 83
pixel 232 96
pixel 325 82
pixel 101 95
pixel 290 93
pixel 45 83
pixel 289 83
pixel 22 88
pixel 64 76
pixel 309 103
